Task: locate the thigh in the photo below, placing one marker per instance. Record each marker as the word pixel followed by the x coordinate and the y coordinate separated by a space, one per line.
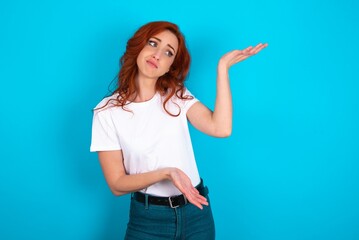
pixel 199 224
pixel 154 222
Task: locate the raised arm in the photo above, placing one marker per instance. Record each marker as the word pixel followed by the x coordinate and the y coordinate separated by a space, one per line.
pixel 219 122
pixel 122 183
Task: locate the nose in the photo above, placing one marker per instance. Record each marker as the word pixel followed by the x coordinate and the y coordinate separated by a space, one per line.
pixel 156 55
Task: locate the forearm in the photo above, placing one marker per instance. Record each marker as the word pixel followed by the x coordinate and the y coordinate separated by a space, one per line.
pixel 219 122
pixel 135 182
pixel 222 114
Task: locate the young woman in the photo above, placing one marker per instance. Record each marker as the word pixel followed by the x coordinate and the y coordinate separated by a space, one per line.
pixel 141 135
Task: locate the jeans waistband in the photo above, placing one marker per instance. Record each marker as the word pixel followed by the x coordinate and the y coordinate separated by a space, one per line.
pixel 172 201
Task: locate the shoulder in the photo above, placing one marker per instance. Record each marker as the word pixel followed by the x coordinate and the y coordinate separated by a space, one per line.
pixel 107 103
pixel 182 95
pixel 184 99
pixel 187 92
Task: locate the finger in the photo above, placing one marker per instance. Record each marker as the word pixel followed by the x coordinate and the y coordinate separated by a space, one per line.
pixel 247 48
pixel 192 192
pixel 200 203
pixel 199 206
pixel 259 47
pixel 246 51
pixel 235 54
pixel 195 192
pixel 203 200
pixel 195 197
pixel 199 198
pixel 240 58
pixel 242 52
pixel 262 47
pixel 254 50
pixel 194 201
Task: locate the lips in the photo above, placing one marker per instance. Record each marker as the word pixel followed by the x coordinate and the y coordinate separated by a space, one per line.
pixel 152 63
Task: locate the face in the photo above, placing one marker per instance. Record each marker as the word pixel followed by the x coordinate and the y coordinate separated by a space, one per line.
pixel 156 58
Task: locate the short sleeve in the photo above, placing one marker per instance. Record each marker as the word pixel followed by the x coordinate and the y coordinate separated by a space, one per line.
pixel 104 136
pixel 188 103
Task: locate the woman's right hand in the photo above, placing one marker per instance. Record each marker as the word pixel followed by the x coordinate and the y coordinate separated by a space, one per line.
pixel 184 184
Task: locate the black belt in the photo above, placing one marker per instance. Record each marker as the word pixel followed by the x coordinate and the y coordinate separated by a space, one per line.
pixel 173 201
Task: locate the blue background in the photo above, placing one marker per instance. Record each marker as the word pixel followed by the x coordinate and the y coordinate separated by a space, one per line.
pixel 290 168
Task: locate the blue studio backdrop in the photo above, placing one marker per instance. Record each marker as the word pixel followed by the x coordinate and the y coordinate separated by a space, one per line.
pixel 289 171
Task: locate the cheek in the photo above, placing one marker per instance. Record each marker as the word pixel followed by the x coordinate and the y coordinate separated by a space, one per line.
pixel 167 67
pixel 139 57
pixel 170 63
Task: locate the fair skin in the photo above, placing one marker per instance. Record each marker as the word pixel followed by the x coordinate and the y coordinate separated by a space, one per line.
pixel 153 61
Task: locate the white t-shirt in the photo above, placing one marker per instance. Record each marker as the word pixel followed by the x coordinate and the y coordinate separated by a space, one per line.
pixel 149 138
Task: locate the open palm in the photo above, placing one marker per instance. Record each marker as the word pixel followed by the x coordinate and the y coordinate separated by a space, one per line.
pixel 237 56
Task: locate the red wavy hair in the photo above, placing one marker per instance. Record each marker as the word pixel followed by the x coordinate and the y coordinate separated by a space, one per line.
pixel 167 85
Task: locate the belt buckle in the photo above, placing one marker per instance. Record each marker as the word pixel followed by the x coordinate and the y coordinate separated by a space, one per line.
pixel 176 206
pixel 171 204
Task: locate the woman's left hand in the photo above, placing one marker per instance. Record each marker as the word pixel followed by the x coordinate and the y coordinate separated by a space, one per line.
pixel 236 56
pixel 183 183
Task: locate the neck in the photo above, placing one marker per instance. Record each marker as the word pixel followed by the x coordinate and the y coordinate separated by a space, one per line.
pixel 146 89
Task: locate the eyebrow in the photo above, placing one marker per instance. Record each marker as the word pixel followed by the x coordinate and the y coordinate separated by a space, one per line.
pixel 167 44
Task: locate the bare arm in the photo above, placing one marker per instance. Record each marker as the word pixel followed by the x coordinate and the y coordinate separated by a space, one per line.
pixel 122 183
pixel 219 122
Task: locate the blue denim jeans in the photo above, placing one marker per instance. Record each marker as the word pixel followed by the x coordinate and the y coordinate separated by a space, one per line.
pixel 155 222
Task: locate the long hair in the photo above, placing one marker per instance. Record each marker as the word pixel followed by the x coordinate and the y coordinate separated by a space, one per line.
pixel 167 85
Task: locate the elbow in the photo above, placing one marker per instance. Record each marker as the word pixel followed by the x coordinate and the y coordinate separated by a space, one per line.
pixel 224 133
pixel 117 193
pixel 116 188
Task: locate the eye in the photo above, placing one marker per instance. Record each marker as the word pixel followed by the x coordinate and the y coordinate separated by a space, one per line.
pixel 169 53
pixel 152 43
